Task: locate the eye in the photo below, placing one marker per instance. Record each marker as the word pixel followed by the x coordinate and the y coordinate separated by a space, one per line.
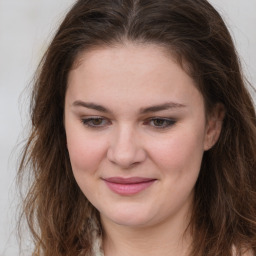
pixel 161 123
pixel 95 122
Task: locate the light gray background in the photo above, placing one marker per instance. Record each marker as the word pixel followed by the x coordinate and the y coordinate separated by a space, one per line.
pixel 26 27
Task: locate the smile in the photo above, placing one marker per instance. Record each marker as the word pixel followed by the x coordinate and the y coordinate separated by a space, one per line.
pixel 128 186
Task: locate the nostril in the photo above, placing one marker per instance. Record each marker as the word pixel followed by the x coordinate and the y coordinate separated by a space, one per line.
pixel 125 158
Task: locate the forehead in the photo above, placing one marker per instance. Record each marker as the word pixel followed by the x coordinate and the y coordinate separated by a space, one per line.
pixel 123 51
pixel 122 73
pixel 141 57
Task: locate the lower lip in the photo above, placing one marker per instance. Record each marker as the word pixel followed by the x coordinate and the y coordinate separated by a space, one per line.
pixel 129 189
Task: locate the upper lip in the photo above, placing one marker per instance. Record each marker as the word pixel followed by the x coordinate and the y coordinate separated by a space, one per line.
pixel 131 180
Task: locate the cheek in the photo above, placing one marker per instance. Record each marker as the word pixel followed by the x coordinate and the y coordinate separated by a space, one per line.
pixel 181 153
pixel 85 152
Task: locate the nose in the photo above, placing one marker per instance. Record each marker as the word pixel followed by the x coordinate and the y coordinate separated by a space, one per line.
pixel 125 149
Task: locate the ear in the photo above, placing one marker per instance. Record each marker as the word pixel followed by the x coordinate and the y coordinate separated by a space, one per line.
pixel 214 125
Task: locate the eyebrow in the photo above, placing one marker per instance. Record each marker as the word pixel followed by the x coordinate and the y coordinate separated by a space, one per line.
pixel 90 105
pixel 160 107
pixel 155 108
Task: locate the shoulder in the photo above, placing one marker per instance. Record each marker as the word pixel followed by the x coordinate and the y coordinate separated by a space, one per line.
pixel 247 252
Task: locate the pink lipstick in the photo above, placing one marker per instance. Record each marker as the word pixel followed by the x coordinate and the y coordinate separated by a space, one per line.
pixel 128 186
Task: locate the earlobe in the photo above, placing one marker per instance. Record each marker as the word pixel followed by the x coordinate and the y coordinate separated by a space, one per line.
pixel 214 126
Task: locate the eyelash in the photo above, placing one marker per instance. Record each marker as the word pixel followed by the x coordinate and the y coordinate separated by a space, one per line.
pixel 166 122
pixel 89 122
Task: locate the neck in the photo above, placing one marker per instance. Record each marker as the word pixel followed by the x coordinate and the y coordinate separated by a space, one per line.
pixel 167 238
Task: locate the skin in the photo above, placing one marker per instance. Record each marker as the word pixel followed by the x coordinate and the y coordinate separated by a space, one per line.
pixel 126 138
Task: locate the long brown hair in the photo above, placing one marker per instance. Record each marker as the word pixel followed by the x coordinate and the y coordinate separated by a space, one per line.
pixel 224 213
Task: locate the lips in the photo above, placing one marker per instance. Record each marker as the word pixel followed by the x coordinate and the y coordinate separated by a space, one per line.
pixel 128 186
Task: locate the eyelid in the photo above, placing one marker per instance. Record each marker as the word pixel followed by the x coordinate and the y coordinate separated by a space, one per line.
pixel 86 121
pixel 168 122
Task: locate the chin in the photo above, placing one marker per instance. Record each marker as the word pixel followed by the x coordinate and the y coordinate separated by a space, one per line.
pixel 128 217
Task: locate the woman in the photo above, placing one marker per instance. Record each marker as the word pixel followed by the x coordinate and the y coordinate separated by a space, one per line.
pixel 143 135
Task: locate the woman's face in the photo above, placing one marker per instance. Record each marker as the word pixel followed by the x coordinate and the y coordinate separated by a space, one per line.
pixel 136 132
